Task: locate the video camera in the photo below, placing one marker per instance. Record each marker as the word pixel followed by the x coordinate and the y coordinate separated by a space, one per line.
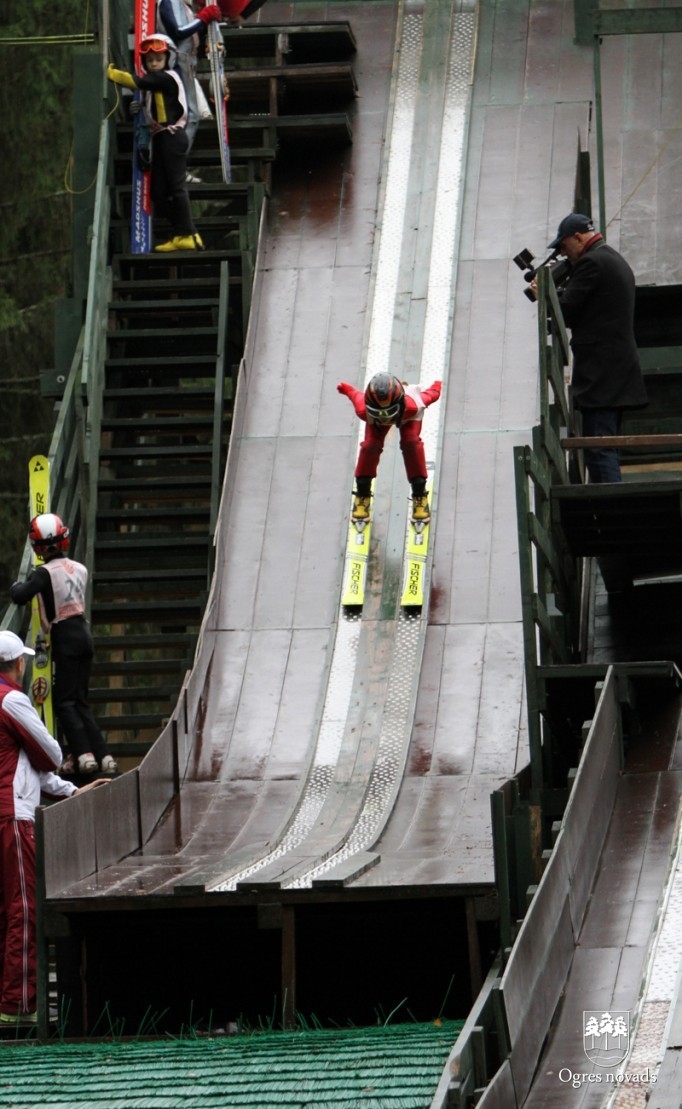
pixel 559 270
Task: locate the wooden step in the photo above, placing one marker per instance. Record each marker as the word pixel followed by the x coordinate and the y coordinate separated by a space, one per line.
pixel 177 266
pixel 137 497
pixel 312 84
pixel 147 694
pixel 132 668
pixel 130 577
pixel 137 641
pixel 183 288
pixel 160 425
pixel 304 41
pixel 182 364
pixel 157 334
pixel 124 542
pixel 173 516
pixel 164 307
pixel 167 596
pixel 175 470
pixel 144 612
pixel 174 453
pixel 132 722
pixel 158 397
pixel 189 486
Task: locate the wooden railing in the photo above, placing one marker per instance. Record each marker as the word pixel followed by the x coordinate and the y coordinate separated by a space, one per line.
pixel 550 582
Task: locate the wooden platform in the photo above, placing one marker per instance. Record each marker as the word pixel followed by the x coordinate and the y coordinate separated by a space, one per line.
pixel 633 527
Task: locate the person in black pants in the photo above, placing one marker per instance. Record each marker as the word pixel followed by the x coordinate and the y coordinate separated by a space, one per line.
pixel 166 113
pixel 60 585
pixel 598 304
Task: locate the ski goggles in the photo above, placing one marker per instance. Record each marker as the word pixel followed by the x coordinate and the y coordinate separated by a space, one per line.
pixel 384 415
pixel 154 47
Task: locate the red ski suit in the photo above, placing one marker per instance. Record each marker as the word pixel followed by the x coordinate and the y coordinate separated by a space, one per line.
pixel 409 422
pixel 28 758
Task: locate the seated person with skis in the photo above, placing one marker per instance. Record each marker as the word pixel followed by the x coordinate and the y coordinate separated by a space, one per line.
pixel 165 109
pixel 386 403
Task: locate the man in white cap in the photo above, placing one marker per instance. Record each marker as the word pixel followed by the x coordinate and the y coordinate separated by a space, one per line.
pixel 29 757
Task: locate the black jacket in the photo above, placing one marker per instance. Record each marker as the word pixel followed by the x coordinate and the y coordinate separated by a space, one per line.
pixel 598 304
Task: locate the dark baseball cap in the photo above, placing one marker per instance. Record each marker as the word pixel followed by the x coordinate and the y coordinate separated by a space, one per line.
pixel 569 225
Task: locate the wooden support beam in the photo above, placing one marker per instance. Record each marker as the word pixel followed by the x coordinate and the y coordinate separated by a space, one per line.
pixel 288 966
pixel 640 21
pixel 579 442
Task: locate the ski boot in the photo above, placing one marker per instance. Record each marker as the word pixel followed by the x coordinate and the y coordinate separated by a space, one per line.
pixel 421 513
pixel 362 507
pixel 181 242
pixel 87 763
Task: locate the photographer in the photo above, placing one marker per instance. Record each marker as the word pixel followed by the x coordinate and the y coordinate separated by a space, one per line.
pixel 598 303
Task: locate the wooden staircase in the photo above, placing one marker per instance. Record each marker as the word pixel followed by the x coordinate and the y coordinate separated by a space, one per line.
pixel 166 414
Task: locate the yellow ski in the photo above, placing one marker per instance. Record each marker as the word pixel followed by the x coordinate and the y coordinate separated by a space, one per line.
pixel 416 551
pixel 357 557
pixel 41 686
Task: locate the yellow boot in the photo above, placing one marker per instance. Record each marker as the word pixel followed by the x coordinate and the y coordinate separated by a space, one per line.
pixel 170 245
pixel 182 242
pixel 421 513
pixel 361 507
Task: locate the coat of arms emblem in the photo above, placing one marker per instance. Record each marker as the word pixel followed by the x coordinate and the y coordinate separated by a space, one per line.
pixel 606 1036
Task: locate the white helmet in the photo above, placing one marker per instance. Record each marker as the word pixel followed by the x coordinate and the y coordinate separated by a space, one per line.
pixel 47 532
pixel 159 44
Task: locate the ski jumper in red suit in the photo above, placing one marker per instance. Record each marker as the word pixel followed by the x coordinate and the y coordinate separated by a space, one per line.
pixel 28 758
pixel 409 422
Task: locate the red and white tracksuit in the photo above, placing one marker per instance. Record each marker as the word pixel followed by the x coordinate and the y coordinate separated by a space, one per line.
pixel 409 424
pixel 28 758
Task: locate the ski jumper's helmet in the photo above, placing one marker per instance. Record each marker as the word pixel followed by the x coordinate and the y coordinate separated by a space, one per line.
pixel 385 398
pixel 159 44
pixel 48 533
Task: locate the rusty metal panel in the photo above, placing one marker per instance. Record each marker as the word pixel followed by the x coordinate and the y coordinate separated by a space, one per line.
pixel 500 1093
pixel 70 850
pixel 116 819
pixel 537 969
pixel 157 781
pixel 588 813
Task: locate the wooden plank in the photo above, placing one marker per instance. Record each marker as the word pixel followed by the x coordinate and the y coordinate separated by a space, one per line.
pixel 328 39
pixel 589 808
pixel 579 442
pixel 501 1091
pixel 536 972
pixel 647 21
pixel 344 872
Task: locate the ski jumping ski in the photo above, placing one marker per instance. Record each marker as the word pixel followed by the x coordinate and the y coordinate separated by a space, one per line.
pixel 357 557
pixel 215 50
pixel 141 216
pixel 416 552
pixel 41 686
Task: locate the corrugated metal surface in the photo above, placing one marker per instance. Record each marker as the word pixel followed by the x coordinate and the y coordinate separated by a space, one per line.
pixel 394 1067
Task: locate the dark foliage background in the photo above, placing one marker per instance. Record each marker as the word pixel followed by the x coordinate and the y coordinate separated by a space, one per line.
pixel 35 237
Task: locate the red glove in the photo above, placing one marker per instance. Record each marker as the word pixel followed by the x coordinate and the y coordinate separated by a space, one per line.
pixel 232 8
pixel 210 14
pixel 343 388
